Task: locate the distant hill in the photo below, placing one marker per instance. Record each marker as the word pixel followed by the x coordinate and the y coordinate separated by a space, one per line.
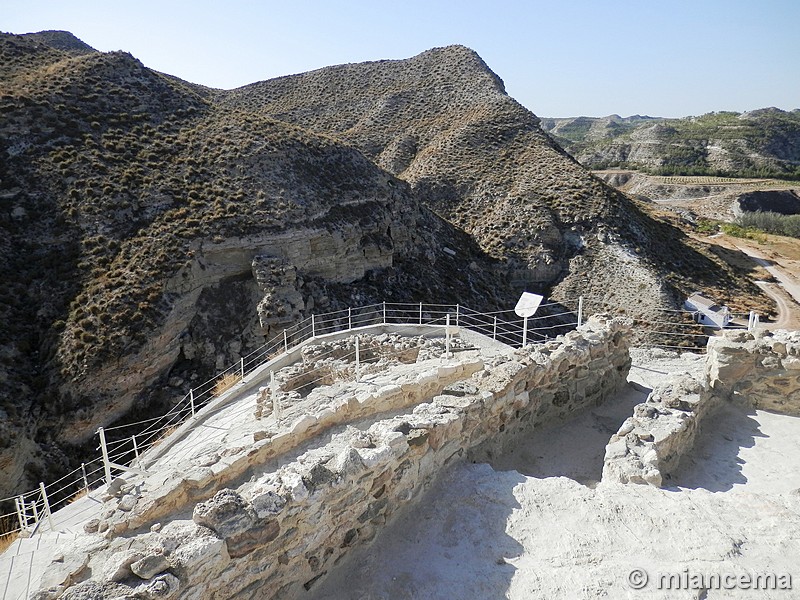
pixel 154 231
pixel 759 143
pixel 443 122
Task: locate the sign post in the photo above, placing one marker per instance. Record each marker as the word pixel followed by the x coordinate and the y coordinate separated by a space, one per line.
pixel 527 305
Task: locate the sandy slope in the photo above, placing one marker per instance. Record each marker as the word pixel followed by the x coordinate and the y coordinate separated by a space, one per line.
pixel 483 532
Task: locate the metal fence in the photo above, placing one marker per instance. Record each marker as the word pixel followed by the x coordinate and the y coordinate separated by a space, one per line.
pixel 122 446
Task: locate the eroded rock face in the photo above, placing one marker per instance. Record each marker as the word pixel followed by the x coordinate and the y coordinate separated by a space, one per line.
pixel 282 302
pixel 785 202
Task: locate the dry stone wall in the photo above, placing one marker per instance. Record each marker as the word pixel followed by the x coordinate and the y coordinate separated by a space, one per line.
pixel 283 529
pixel 650 444
pixel 763 368
pixel 760 368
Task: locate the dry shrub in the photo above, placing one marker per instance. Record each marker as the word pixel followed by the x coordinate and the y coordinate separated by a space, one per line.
pixel 6 541
pixel 78 496
pixel 7 523
pixel 225 383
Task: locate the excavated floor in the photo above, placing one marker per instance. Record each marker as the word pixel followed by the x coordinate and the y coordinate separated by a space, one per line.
pixel 527 527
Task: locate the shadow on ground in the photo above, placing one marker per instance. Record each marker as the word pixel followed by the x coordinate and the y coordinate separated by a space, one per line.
pixel 467 555
pixel 715 463
pixel 574 448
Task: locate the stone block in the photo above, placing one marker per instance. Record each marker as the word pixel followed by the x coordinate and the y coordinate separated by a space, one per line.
pixel 227 513
pixel 118 566
pixel 162 587
pixel 294 486
pixel 247 541
pixel 150 566
pixel 199 551
pixel 302 425
pixel 268 503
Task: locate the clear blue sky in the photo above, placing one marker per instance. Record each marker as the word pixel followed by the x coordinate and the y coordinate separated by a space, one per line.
pixel 557 57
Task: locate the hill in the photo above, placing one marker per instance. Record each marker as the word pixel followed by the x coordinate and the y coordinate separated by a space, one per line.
pixel 759 143
pixel 155 230
pixel 443 122
pixel 134 211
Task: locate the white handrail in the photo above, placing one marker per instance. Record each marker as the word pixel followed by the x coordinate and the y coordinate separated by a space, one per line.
pixel 411 313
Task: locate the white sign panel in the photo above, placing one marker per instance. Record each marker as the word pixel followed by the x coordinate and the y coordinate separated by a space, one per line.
pixel 527 304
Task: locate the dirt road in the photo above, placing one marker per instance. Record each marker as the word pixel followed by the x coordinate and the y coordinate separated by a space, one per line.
pixel 786 292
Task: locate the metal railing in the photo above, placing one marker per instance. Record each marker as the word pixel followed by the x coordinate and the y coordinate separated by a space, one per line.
pixel 122 446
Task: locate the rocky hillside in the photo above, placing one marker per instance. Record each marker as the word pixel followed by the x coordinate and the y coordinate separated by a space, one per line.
pixel 443 122
pixel 144 225
pixel 154 230
pixel 759 143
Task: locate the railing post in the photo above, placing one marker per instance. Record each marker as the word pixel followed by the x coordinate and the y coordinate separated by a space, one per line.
pixel 494 329
pixel 104 450
pixel 384 312
pixel 580 310
pixel 85 479
pixel 135 447
pixel 349 319
pixel 191 399
pixel 47 507
pixel 285 342
pixel 273 390
pixel 524 331
pixel 420 313
pixel 242 367
pixel 752 322
pixel 35 513
pixel 19 504
pixel 447 336
pixel 358 360
pixel 313 326
pixel 458 310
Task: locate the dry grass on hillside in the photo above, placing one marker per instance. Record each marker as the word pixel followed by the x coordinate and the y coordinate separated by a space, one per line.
pixel 225 383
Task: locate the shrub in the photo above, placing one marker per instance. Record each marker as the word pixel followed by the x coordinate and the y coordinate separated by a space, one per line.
pixel 225 383
pixel 788 225
pixel 736 230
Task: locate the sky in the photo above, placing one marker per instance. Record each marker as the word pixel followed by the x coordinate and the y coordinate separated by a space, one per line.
pixel 559 58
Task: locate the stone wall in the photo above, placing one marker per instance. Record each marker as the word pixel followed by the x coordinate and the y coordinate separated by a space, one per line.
pixel 650 444
pixel 761 369
pixel 764 369
pixel 278 531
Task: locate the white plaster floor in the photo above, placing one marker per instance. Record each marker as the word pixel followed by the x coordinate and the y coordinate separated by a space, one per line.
pixel 23 564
